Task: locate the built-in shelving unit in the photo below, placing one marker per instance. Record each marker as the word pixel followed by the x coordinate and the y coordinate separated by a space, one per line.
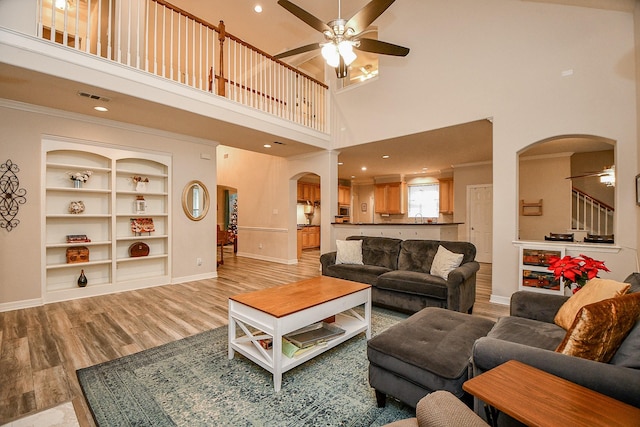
pixel 109 197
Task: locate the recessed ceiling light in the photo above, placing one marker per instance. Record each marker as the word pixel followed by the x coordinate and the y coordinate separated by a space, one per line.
pixel 386 156
pixel 353 176
pixel 364 168
pixel 258 8
pixel 101 109
pixel 267 145
pixel 340 163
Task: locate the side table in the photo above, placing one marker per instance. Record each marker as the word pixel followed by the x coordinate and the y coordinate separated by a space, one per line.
pixel 538 398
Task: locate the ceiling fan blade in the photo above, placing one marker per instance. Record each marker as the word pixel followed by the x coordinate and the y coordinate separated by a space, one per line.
pixel 585 175
pixel 369 13
pixel 305 16
pixel 298 50
pixel 377 46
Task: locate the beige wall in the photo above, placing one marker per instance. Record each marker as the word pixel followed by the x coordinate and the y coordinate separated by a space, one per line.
pixel 267 208
pixel 464 176
pixel 505 59
pixel 23 128
pixel 544 178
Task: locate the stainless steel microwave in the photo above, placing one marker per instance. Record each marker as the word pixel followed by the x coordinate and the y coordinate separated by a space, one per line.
pixel 344 210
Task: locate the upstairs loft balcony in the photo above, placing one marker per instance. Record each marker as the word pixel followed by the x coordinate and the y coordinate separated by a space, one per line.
pixel 158 38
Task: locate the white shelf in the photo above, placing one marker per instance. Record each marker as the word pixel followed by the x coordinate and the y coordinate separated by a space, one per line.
pixel 52 165
pixel 80 190
pixel 78 264
pixel 108 190
pixel 142 258
pixel 129 238
pixel 67 245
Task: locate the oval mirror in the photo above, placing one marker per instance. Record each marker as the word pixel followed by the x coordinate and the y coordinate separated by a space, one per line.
pixel 195 200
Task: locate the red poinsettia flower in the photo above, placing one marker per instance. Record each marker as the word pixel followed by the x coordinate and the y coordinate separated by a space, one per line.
pixel 577 270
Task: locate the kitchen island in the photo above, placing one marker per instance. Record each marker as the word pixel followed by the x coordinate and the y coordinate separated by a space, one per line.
pixel 404 231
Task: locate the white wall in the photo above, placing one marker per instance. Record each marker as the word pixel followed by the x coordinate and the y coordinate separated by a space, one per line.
pixel 23 128
pixel 505 59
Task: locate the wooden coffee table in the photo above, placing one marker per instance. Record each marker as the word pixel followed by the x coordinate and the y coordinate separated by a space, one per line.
pixel 538 398
pixel 274 312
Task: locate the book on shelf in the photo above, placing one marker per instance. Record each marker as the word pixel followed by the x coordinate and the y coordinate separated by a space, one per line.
pixel 77 238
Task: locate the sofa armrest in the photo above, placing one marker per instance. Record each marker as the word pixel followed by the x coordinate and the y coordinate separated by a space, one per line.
pixel 461 287
pixel 618 382
pixel 327 260
pixel 535 305
pixel 462 273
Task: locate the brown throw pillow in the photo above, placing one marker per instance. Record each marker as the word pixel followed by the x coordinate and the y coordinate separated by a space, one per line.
pixel 595 290
pixel 600 328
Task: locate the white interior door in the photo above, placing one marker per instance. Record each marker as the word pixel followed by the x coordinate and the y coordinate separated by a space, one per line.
pixel 480 220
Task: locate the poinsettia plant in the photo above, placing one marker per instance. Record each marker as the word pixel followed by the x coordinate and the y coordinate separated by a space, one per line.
pixel 576 270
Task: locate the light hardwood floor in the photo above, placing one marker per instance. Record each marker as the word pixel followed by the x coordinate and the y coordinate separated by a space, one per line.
pixel 41 348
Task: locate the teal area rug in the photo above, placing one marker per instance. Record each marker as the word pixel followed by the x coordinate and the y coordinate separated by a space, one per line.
pixel 191 382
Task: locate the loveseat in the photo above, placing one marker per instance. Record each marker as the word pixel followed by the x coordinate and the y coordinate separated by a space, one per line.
pixel 399 272
pixel 530 335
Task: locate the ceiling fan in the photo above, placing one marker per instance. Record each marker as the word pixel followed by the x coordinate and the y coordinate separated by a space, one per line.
pixel 342 36
pixel 607 175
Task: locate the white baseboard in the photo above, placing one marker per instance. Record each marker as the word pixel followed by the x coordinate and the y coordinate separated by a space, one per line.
pixel 266 258
pixel 500 300
pixel 17 305
pixel 203 276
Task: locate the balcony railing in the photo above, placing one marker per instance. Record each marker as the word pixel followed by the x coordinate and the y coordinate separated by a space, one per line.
pixel 159 38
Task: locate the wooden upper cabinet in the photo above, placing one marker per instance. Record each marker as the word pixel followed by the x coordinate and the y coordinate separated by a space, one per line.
pixel 446 195
pixel 344 195
pixel 308 191
pixel 390 198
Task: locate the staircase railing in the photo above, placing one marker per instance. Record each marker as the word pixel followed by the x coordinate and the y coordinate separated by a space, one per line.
pixel 590 215
pixel 162 39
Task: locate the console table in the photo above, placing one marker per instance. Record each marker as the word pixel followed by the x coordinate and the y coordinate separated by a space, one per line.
pixel 538 398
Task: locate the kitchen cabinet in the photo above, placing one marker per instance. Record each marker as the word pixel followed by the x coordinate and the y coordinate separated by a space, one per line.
pixel 310 237
pixel 446 195
pixel 390 198
pixel 308 191
pixel 344 195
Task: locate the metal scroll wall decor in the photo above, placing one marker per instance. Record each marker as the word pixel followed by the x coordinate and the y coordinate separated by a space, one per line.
pixel 11 195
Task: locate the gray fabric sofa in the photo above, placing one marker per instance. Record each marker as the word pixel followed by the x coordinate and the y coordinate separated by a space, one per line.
pixel 529 335
pixel 399 273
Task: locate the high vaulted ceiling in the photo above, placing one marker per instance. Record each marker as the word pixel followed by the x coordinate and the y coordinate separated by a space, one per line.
pixel 276 30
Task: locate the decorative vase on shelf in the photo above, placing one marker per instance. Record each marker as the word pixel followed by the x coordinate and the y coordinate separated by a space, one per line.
pixel 82 280
pixel 77 183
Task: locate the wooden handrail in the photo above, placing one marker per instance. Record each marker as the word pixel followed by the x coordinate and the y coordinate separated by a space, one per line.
pixel 236 39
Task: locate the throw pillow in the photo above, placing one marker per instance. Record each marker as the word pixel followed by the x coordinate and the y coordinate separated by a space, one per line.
pixel 349 252
pixel 444 262
pixel 600 328
pixel 595 290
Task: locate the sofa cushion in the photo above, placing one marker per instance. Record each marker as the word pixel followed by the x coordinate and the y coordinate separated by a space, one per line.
pixel 529 332
pixel 349 252
pixel 628 354
pixel 413 282
pixel 600 328
pixel 444 262
pixel 595 290
pixel 418 255
pixel 379 251
pixel 356 273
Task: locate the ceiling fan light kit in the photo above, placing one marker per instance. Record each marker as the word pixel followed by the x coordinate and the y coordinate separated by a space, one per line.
pixel 342 36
